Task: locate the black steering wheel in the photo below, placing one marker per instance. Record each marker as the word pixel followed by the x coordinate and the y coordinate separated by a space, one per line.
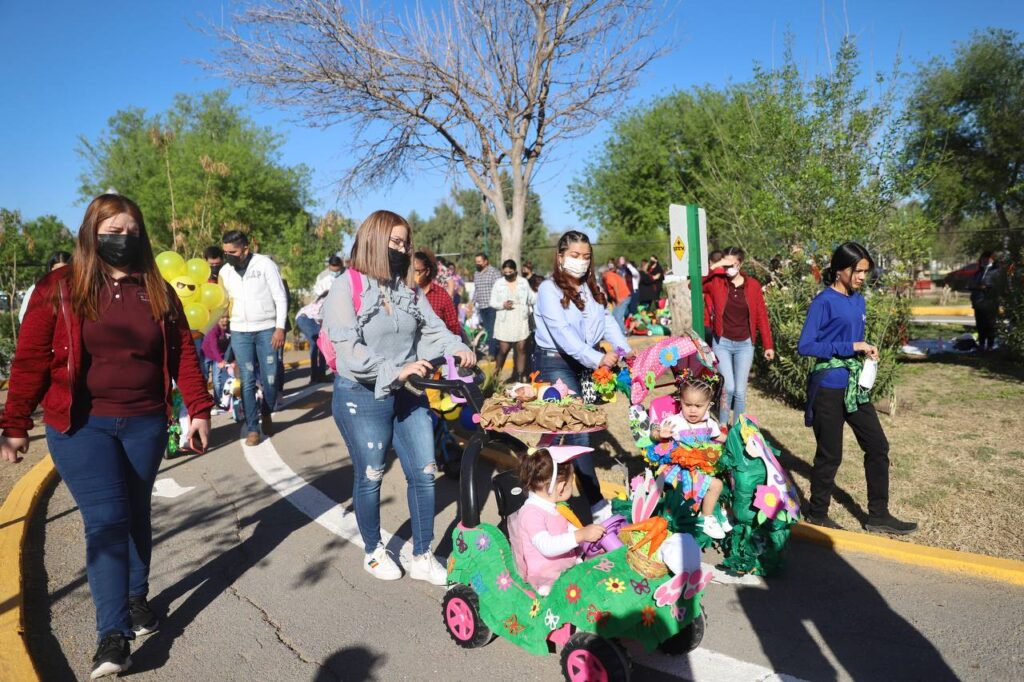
pixel 463 389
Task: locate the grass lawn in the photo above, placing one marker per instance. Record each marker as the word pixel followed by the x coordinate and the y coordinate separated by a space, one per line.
pixel 956 448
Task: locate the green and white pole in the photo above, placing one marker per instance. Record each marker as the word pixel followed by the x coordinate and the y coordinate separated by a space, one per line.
pixel 688 242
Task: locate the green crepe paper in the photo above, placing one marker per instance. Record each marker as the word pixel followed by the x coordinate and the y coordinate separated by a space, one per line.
pixel 174 426
pixel 522 616
pixel 755 544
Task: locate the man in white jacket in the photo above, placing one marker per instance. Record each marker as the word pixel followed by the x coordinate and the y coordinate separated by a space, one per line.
pixel 259 308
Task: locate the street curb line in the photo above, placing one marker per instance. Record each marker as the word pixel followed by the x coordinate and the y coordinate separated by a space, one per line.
pixel 843 541
pixel 15 662
pixel 940 311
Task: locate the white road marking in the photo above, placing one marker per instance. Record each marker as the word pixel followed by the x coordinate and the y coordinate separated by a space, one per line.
pixel 265 461
pixel 702 665
pixel 168 487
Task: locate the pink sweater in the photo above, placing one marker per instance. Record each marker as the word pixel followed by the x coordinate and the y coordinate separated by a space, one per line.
pixel 527 529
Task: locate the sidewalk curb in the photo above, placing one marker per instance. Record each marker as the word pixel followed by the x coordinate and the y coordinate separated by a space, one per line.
pixel 843 541
pixel 15 662
pixel 942 311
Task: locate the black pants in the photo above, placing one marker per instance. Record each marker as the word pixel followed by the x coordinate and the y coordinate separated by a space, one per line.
pixel 985 318
pixel 829 416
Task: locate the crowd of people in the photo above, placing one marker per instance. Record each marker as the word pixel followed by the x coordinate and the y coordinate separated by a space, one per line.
pixel 105 341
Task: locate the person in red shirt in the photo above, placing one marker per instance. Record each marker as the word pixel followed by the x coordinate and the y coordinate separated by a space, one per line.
pixel 618 293
pixel 102 343
pixel 425 269
pixel 737 315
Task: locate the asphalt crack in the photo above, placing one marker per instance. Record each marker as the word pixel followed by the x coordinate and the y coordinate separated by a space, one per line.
pixel 281 637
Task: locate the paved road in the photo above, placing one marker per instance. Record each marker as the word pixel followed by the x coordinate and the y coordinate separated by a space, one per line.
pixel 257 565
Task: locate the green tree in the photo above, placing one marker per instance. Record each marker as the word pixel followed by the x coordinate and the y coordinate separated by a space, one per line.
pixel 458 227
pixel 966 133
pixel 787 163
pixel 202 168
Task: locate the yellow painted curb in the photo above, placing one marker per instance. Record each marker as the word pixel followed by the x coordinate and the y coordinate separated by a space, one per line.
pixel 929 311
pixel 978 565
pixel 15 662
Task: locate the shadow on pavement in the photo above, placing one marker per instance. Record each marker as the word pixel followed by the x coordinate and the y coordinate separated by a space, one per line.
pixel 351 663
pixel 820 619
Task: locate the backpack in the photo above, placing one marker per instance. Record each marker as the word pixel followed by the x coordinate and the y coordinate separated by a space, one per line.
pixel 323 341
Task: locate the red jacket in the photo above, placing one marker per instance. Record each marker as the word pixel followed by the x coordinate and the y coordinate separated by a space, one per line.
pixel 48 361
pixel 716 294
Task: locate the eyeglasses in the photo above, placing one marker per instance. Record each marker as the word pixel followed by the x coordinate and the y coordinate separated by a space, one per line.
pixel 398 243
pixel 419 271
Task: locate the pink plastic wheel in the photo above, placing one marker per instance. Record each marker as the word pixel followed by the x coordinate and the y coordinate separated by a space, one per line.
pixel 459 619
pixel 583 666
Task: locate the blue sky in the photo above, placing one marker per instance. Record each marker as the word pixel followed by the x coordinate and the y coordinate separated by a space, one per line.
pixel 65 67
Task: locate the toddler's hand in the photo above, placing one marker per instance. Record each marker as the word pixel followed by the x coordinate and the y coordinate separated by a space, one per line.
pixel 591 533
pixel 664 431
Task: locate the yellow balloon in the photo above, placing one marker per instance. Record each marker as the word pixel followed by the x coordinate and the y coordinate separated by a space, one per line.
pixel 170 265
pixel 197 315
pixel 215 315
pixel 198 269
pixel 454 414
pixel 211 294
pixel 186 288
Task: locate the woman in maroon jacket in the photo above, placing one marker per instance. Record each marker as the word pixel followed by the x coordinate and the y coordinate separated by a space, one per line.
pixel 100 345
pixel 736 315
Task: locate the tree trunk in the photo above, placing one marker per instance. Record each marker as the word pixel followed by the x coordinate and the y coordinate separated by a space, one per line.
pixel 678 294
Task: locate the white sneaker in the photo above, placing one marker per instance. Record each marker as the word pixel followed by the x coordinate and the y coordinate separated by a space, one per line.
pixel 427 567
pixel 380 565
pixel 726 526
pixel 712 528
pixel 216 411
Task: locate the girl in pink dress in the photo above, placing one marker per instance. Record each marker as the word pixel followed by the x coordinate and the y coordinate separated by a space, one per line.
pixel 543 541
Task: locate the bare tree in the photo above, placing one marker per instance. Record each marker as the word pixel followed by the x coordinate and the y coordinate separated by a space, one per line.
pixel 480 86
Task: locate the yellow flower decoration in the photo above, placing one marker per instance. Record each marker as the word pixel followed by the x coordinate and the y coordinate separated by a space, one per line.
pixel 534 609
pixel 614 585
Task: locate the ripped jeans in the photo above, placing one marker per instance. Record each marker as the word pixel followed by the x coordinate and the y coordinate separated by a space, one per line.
pixel 369 427
pixel 255 356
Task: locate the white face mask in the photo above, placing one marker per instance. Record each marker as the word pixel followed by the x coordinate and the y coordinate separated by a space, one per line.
pixel 577 267
pixel 732 271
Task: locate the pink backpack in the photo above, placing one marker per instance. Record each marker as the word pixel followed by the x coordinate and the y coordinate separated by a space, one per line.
pixel 323 341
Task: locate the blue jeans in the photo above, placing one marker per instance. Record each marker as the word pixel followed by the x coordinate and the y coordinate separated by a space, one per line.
pixel 369 427
pixel 619 313
pixel 220 377
pixel 734 360
pixel 253 353
pixel 109 465
pixel 487 316
pixel 555 367
pixel 310 328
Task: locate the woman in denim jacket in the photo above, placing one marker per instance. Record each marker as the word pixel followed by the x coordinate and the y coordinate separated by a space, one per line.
pixel 378 349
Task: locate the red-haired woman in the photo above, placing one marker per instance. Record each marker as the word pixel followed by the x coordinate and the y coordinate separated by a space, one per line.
pixel 102 341
pixel 572 317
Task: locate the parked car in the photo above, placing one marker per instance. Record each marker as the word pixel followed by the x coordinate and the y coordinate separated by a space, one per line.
pixel 960 280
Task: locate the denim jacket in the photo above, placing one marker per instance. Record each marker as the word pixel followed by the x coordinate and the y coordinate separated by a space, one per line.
pixel 373 346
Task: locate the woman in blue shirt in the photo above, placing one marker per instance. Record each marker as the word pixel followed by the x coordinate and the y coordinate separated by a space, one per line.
pixel 834 334
pixel 572 317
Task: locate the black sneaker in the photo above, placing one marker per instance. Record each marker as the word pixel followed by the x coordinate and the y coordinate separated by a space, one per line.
pixel 890 524
pixel 144 621
pixel 111 656
pixel 822 521
pixel 267 424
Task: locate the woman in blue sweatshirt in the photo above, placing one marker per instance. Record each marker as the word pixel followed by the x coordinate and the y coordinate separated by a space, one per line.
pixel 834 334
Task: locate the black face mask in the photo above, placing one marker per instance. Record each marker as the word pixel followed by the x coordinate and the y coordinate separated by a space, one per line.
pixel 118 250
pixel 237 262
pixel 398 262
pixel 511 277
pixel 215 269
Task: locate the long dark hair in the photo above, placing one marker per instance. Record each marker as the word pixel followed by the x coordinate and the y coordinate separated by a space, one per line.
pixel 566 282
pixel 87 269
pixel 426 257
pixel 846 255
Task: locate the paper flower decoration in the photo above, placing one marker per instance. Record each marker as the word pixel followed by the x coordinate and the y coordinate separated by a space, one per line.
pixel 483 542
pixel 650 379
pixel 614 585
pixel 668 356
pixel 605 565
pixel 573 593
pixel 647 616
pixel 504 581
pixel 534 608
pixel 768 499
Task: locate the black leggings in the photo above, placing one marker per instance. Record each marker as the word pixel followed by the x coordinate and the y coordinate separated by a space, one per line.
pixel 985 319
pixel 829 416
pixel 519 358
